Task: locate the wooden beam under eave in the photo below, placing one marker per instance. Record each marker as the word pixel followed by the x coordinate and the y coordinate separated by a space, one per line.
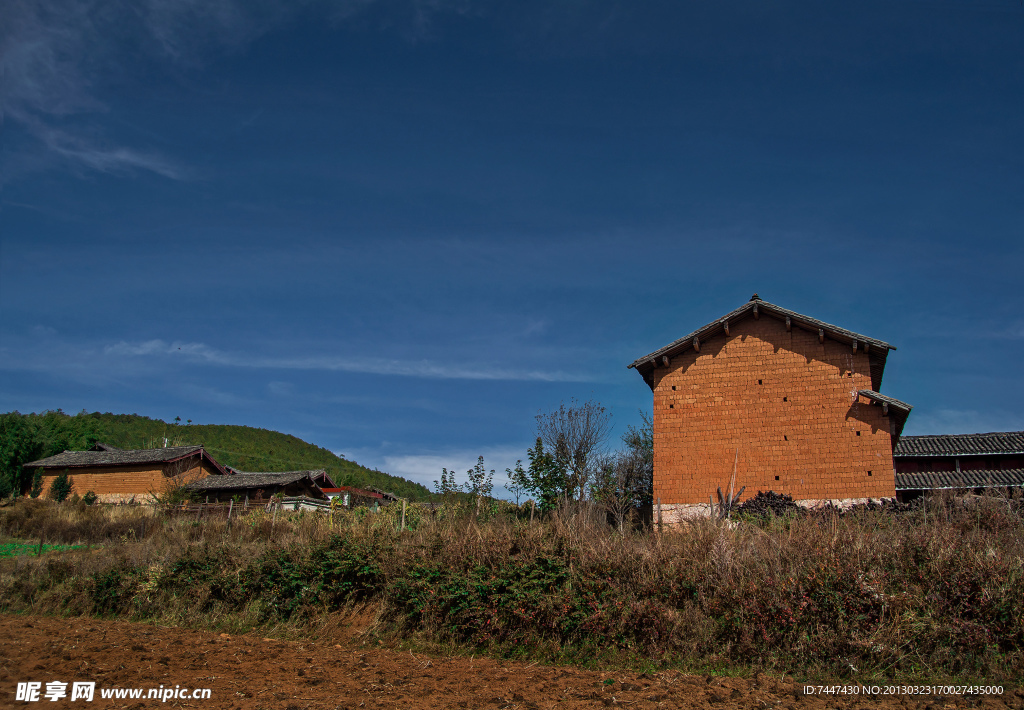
pixel 652 363
pixel 725 326
pixel 756 313
pixel 885 409
pixel 664 360
pixel 854 346
pixel 821 336
pixel 696 343
pixel 789 324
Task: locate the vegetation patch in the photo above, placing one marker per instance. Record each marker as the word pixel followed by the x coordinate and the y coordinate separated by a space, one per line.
pixel 16 548
pixel 925 595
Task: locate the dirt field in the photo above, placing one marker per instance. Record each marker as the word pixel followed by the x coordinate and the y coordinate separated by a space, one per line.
pixel 252 672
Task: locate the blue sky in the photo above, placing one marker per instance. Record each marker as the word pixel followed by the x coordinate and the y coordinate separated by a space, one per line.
pixel 402 229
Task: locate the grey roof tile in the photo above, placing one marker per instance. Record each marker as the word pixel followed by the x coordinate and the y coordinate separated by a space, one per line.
pixel 937 480
pixel 249 480
pixel 77 459
pixel 1000 442
pixel 798 319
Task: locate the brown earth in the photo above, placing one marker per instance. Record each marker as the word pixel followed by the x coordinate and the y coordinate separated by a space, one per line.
pixel 250 672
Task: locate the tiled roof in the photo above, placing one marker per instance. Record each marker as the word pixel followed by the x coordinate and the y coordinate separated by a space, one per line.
pixel 1000 442
pixel 311 473
pixel 885 399
pixel 878 349
pixel 896 410
pixel 114 457
pixel 959 479
pixel 249 480
pixel 317 474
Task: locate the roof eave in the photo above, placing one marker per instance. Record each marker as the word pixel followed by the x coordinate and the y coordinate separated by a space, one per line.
pixel 718 327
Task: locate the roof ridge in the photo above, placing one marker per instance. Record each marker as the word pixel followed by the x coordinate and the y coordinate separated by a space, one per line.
pixel 748 307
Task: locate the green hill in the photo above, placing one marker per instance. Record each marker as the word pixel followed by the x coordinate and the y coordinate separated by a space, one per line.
pixel 27 437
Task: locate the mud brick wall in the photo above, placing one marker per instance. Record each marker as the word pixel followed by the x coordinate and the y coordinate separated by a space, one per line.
pixel 782 405
pixel 113 483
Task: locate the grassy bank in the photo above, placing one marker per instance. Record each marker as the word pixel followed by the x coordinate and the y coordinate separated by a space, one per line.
pixel 932 594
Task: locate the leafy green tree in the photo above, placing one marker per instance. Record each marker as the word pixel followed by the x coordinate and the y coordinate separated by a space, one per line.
pixel 447 487
pixel 546 479
pixel 19 442
pixel 516 480
pixel 61 487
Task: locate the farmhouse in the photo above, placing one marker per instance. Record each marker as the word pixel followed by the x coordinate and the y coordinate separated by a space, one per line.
pixel 257 486
pixel 959 461
pixel 787 402
pixel 125 475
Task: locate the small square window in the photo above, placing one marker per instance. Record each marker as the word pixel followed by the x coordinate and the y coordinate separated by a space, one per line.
pixel 776 478
pixel 671 406
pixel 785 437
pixel 785 399
pixel 760 382
pixel 673 388
pixel 869 473
pixel 858 433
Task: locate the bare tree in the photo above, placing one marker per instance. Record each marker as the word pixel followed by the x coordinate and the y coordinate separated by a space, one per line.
pixel 576 434
pixel 624 479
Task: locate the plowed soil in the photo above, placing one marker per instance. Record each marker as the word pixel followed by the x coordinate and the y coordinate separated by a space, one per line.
pixel 249 671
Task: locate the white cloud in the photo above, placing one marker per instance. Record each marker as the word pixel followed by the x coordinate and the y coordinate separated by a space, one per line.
pixel 201 352
pixel 425 467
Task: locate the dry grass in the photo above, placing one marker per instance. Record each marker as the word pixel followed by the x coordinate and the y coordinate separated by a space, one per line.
pixel 933 593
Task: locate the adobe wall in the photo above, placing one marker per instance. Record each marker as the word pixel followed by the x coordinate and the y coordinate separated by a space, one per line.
pixel 783 405
pixel 124 484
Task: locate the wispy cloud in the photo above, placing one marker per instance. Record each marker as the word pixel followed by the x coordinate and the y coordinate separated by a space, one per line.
pixel 202 353
pixel 56 52
pixel 425 467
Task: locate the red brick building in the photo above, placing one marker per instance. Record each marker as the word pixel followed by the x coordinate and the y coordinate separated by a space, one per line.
pixel 791 403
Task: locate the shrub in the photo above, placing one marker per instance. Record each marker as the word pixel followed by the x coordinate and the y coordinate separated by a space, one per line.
pixel 37 484
pixel 61 487
pixel 89 498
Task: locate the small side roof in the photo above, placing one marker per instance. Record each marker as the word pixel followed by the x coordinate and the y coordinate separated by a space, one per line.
pixel 877 350
pixel 112 456
pixel 992 443
pixel 896 410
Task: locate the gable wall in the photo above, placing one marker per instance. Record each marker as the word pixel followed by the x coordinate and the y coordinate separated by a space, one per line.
pixel 718 408
pixel 123 483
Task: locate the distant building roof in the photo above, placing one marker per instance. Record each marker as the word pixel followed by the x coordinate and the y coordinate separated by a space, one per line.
pixel 249 480
pixel 1000 442
pixel 938 480
pixel 112 456
pixel 877 349
pixel 318 474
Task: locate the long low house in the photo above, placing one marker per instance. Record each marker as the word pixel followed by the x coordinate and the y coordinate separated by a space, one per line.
pixel 128 475
pixel 958 462
pixel 257 485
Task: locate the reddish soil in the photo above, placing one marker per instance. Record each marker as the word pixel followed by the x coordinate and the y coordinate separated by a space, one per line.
pixel 252 672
